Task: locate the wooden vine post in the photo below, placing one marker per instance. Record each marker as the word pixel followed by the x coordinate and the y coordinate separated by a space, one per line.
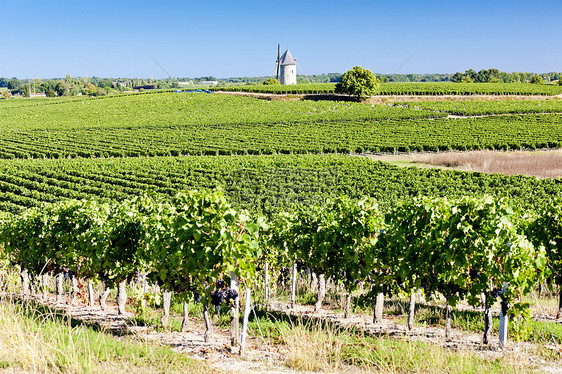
pixel 235 311
pixel 247 306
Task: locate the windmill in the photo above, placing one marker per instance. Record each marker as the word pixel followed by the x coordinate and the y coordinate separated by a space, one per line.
pixel 285 67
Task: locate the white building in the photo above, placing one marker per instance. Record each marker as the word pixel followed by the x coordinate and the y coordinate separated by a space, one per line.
pixel 288 64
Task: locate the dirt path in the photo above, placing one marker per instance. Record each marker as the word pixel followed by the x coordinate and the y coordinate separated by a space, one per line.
pixel 267 358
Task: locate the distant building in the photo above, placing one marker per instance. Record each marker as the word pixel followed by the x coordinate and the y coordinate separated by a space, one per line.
pixel 288 65
pixel 185 83
pixel 208 82
pixel 39 94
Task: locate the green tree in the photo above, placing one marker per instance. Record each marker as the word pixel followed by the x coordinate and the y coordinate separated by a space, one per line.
pixel 358 82
pixel 14 84
pixel 91 90
pixel 535 79
pixel 62 88
pixel 271 81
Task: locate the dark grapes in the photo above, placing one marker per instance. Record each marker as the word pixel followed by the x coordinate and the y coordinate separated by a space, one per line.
pixel 217 298
pixel 230 295
pixel 196 295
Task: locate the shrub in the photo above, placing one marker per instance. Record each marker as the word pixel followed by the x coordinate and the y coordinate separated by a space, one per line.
pixel 271 82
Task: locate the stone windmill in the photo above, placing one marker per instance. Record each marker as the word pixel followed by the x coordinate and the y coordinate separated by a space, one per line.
pixel 286 67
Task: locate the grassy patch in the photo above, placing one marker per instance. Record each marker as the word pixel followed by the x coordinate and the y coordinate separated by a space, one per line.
pixel 40 341
pixel 313 346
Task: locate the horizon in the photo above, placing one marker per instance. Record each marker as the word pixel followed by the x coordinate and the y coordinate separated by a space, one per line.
pixel 259 76
pixel 224 39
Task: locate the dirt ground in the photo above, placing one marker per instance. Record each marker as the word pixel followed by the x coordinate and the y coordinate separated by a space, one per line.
pixel 263 357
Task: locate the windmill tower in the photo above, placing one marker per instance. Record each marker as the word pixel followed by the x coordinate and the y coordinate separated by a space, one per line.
pixel 287 68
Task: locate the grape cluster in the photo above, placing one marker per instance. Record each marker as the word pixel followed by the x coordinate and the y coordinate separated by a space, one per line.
pixel 222 294
pixel 230 295
pixel 497 292
pixel 217 298
pixel 196 295
pixel 474 274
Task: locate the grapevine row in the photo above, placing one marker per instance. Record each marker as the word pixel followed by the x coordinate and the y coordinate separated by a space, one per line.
pixel 259 183
pixel 433 88
pixel 189 244
pixel 498 132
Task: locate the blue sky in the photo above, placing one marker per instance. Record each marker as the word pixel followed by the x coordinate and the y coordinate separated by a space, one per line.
pixel 52 38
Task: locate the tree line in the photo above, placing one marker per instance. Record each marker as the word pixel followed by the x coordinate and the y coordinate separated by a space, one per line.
pixel 495 76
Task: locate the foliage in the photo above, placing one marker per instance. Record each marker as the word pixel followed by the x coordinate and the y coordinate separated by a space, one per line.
pixel 546 230
pixel 480 108
pixel 334 239
pixel 243 125
pixel 260 183
pixel 271 81
pixel 496 253
pixel 415 88
pixel 358 82
pixel 535 79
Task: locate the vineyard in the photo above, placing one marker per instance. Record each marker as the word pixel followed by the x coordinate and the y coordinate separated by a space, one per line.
pixel 176 124
pixel 434 89
pixel 220 201
pixel 259 183
pixel 481 108
pixel 195 244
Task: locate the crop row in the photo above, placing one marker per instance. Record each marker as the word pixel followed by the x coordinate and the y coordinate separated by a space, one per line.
pixel 186 110
pixel 474 108
pixel 498 132
pixel 437 88
pixel 259 183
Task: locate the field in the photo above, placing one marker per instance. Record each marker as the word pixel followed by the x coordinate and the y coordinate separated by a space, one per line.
pixel 431 89
pixel 175 124
pixel 290 162
pixel 259 183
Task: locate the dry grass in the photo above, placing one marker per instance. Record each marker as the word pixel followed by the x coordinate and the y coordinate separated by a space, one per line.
pixel 33 339
pixel 320 348
pixel 542 164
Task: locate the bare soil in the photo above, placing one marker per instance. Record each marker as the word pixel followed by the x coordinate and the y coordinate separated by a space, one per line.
pixel 263 357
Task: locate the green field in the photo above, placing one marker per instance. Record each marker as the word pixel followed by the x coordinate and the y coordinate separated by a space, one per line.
pixel 479 108
pixel 173 124
pixel 120 146
pixel 433 88
pixel 259 183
